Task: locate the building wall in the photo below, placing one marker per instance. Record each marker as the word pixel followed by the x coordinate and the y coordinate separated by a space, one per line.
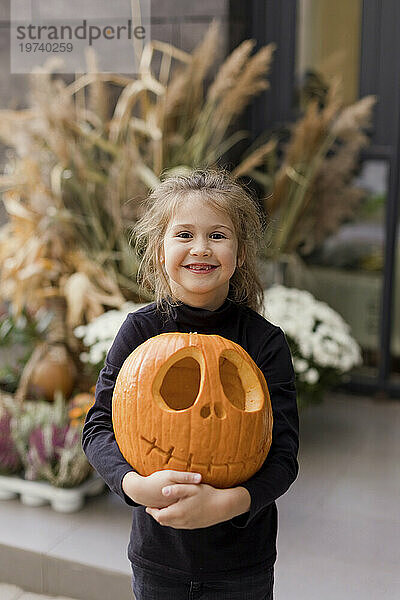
pixel 179 22
pixel 183 22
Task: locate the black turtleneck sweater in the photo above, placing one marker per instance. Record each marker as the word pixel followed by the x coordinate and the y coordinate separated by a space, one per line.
pixel 246 543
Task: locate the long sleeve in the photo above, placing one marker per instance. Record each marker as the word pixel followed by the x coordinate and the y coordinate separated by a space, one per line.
pixel 98 439
pixel 280 467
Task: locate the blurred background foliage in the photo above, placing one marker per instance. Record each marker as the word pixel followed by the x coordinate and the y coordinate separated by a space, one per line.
pixel 84 154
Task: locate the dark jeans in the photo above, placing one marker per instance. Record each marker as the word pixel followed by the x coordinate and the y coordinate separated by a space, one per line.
pixel 149 586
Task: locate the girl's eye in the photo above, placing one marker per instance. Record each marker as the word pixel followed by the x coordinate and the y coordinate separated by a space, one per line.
pixel 186 234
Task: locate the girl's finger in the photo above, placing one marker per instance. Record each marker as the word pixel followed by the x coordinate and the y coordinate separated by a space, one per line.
pixel 156 513
pixel 177 490
pixel 185 477
pixel 167 516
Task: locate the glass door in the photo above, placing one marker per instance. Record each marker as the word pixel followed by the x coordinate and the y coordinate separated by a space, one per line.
pixel 346 269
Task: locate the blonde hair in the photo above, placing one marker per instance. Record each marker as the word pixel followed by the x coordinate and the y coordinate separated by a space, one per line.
pixel 223 193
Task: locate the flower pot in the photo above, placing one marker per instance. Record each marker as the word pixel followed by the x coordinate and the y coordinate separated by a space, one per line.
pixel 39 493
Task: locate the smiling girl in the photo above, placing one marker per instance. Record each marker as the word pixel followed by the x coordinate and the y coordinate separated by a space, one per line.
pixel 198 239
pixel 200 254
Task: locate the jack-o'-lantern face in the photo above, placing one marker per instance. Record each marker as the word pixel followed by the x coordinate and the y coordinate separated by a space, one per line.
pixel 193 402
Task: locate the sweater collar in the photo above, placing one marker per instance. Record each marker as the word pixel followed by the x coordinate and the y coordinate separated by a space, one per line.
pixel 196 317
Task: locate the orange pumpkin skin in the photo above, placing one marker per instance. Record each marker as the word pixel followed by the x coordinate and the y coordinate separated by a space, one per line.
pixel 193 402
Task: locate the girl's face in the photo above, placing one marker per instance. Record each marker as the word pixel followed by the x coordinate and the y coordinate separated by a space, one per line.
pixel 200 253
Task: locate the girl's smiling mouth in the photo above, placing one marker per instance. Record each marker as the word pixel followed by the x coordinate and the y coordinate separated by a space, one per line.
pixel 200 267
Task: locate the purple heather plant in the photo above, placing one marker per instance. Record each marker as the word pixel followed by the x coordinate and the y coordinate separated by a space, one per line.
pixel 39 438
pixel 54 454
pixel 46 444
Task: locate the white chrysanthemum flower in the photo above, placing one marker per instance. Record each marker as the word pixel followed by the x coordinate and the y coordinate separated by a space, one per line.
pixel 300 365
pixel 319 333
pixel 84 356
pixel 311 376
pixel 99 334
pixel 80 331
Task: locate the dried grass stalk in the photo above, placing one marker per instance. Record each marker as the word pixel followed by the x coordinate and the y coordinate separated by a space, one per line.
pixel 229 71
pixel 255 159
pixel 301 181
pixel 248 84
pixel 81 166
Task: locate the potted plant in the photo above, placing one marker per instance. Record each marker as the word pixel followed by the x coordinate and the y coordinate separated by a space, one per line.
pixel 322 347
pixel 41 458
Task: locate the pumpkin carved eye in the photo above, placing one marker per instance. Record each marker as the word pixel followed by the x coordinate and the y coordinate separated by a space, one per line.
pixel 181 384
pixel 238 382
pixel 177 384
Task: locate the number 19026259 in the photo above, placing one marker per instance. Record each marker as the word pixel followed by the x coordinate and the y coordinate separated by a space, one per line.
pixel 46 47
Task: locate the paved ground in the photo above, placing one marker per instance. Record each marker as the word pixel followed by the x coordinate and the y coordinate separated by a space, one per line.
pixel 339 534
pixel 339 525
pixel 12 592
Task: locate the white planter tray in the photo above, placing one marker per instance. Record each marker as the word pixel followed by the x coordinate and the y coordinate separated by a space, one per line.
pixel 38 493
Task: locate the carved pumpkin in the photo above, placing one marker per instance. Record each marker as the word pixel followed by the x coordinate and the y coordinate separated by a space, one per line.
pixel 193 402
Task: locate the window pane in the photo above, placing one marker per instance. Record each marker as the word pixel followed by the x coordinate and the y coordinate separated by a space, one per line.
pixel 328 41
pixel 346 270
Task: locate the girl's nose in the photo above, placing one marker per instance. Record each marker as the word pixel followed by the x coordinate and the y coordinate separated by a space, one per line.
pixel 200 248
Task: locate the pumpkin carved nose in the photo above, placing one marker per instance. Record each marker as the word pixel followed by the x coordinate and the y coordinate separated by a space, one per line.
pixel 216 409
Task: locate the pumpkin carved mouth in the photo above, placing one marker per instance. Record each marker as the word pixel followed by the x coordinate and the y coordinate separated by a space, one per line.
pixel 188 464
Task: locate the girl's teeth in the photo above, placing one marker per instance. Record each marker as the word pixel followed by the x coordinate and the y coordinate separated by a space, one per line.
pixel 201 268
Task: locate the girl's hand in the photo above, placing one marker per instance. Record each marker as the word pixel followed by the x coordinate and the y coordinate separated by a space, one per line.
pixel 196 506
pixel 147 490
